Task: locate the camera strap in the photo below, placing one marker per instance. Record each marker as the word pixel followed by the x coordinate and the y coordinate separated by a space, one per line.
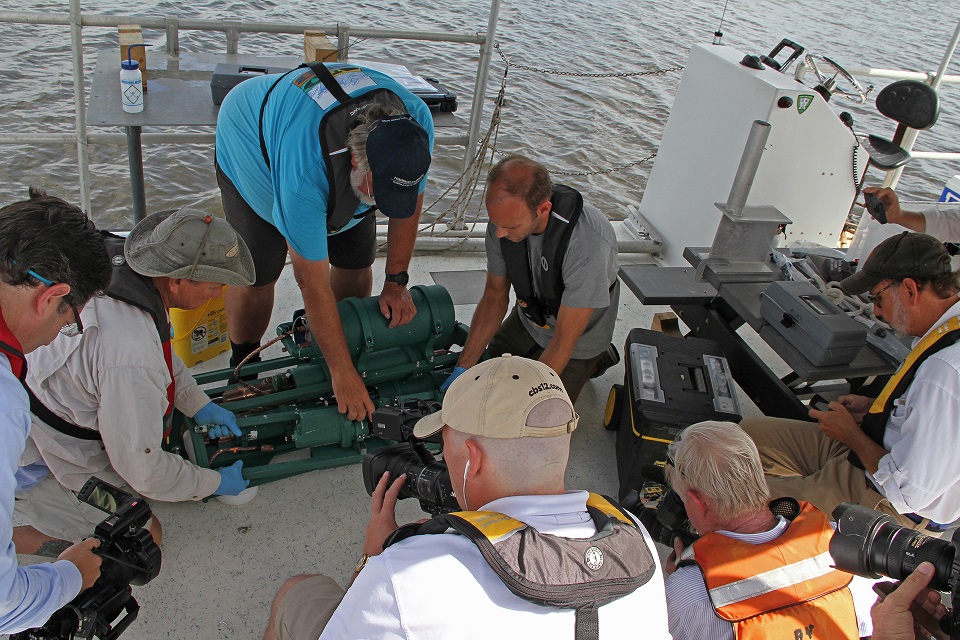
pixel 582 574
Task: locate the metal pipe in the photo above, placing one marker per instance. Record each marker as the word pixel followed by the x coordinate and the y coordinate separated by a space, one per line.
pixel 79 105
pixel 476 109
pixel 343 42
pixel 895 74
pixel 148 138
pixel 135 163
pixel 747 171
pixel 173 34
pixel 99 20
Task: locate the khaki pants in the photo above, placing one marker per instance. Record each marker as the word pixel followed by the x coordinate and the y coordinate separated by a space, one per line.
pixel 304 610
pixel 53 510
pixel 801 462
pixel 513 338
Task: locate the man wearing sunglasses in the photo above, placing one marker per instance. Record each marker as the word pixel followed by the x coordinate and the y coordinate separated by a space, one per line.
pixel 52 260
pixel 105 400
pixel 895 453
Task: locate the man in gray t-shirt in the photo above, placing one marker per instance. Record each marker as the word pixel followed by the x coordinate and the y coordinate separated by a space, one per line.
pixel 566 321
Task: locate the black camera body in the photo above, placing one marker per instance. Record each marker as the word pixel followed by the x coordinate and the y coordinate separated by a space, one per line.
pixel 428 479
pixel 870 544
pixel 130 557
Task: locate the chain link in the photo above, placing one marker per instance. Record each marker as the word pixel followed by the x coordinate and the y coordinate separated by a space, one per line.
pixel 580 74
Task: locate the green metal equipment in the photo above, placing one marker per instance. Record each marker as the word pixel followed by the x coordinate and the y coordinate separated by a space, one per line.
pixel 290 406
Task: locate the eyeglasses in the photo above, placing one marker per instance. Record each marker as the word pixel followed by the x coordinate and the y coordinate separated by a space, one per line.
pixel 74 328
pixel 672 463
pixel 875 298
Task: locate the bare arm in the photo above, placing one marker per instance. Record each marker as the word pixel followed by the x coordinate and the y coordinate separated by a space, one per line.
pixel 486 319
pixel 571 323
pixel 395 301
pixel 313 278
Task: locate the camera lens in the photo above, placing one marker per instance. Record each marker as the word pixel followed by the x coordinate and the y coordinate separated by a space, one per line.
pixel 870 544
pixel 429 483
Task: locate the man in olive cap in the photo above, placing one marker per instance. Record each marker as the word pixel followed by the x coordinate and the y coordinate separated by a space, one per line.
pixel 895 453
pixel 105 400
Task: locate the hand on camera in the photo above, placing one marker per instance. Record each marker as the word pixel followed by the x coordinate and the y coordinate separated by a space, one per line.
pixel 82 555
pixel 222 422
pixel 670 565
pixel 892 617
pixel 231 480
pixel 457 371
pixel 383 518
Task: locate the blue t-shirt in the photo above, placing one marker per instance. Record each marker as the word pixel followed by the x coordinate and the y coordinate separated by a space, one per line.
pixel 292 193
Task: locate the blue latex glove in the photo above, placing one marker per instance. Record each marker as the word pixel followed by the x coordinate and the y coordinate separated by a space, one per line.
pixel 453 376
pixel 231 480
pixel 223 421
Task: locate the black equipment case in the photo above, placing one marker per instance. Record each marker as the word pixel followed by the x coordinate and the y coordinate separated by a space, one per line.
pixel 669 384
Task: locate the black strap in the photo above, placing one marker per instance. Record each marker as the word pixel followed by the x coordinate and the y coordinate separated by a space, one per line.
pixel 263 107
pixel 587 625
pixel 57 423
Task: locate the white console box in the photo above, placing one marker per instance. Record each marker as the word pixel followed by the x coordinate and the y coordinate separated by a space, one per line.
pixel 807 167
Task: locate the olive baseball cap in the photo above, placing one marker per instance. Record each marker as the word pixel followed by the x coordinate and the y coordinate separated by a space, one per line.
pixel 398 151
pixel 908 255
pixel 189 244
pixel 504 398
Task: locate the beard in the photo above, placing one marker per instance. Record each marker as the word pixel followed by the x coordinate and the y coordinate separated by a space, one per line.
pixel 899 320
pixel 357 178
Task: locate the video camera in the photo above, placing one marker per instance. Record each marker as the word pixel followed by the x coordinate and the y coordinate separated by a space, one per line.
pixel 130 557
pixel 659 509
pixel 428 479
pixel 870 544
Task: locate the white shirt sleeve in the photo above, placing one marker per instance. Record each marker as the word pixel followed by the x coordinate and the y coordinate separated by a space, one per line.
pixel 943 222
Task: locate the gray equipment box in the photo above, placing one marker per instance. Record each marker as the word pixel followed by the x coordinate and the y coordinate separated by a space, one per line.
pixel 812 322
pixel 226 76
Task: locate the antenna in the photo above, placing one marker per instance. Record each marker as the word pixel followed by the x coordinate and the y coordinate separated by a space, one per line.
pixel 718 34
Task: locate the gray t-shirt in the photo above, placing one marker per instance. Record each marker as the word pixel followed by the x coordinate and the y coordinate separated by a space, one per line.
pixel 589 268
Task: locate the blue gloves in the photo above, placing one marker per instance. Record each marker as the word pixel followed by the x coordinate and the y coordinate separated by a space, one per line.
pixel 223 422
pixel 453 376
pixel 231 480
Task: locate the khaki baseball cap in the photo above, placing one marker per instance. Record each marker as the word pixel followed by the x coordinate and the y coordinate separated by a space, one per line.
pixel 189 244
pixel 499 398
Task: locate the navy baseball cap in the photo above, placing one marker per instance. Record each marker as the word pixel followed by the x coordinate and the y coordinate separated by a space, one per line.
pixel 398 151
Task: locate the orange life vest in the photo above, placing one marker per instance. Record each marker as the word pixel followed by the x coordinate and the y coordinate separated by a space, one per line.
pixel 785 588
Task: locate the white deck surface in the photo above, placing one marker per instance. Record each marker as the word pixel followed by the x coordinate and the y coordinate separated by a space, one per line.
pixel 223 564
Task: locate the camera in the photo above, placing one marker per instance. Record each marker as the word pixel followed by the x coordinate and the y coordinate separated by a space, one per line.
pixel 870 544
pixel 664 518
pixel 130 557
pixel 428 479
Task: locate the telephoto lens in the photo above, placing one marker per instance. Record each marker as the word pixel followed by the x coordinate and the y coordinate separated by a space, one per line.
pixel 870 544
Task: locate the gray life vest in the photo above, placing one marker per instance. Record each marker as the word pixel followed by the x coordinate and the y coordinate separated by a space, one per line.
pixel 567 205
pixel 582 574
pixel 335 126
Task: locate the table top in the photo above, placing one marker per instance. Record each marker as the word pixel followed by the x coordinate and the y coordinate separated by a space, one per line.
pixel 178 89
pixel 677 286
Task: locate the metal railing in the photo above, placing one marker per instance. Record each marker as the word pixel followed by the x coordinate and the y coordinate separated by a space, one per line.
pixel 172 25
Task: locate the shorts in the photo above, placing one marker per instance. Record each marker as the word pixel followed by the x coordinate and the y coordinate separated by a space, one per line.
pixel 303 611
pixel 355 248
pixel 52 509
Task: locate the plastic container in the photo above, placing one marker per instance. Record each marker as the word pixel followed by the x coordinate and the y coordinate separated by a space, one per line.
pixel 131 86
pixel 200 334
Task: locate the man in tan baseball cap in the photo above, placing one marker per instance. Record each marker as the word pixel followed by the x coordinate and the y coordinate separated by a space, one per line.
pixel 506 425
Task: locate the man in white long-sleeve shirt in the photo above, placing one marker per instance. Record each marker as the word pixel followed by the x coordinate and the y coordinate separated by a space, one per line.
pixel 52 260
pixel 895 453
pixel 942 220
pixel 109 396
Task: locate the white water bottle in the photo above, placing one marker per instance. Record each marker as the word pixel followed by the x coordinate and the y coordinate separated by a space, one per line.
pixel 131 86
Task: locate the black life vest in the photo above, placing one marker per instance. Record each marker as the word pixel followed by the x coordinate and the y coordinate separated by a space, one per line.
pixel 567 205
pixel 128 286
pixel 11 348
pixel 335 125
pixel 874 423
pixel 582 574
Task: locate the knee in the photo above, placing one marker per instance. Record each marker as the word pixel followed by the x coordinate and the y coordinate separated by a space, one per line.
pixel 288 586
pixel 156 529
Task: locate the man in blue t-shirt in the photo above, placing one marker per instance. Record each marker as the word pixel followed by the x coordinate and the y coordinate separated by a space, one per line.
pixel 303 159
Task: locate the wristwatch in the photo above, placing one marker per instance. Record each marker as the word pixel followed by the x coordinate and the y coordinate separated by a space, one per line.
pixel 401 278
pixel 361 563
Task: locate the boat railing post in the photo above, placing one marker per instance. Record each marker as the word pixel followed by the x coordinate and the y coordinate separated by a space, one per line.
pixel 79 103
pixel 476 111
pixel 232 29
pixel 173 34
pixel 343 41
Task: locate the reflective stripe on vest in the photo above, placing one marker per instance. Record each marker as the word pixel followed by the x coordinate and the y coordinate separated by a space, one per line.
pixel 746 580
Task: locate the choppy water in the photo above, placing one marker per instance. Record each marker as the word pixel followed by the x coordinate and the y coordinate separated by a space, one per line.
pixel 570 123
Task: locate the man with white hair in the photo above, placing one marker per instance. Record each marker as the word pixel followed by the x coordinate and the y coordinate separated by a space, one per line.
pixel 751 574
pixel 496 420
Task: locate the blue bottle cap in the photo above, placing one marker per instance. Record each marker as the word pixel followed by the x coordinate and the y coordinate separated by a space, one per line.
pixel 129 65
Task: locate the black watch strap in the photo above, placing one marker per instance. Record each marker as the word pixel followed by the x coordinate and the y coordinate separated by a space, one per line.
pixel 401 278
